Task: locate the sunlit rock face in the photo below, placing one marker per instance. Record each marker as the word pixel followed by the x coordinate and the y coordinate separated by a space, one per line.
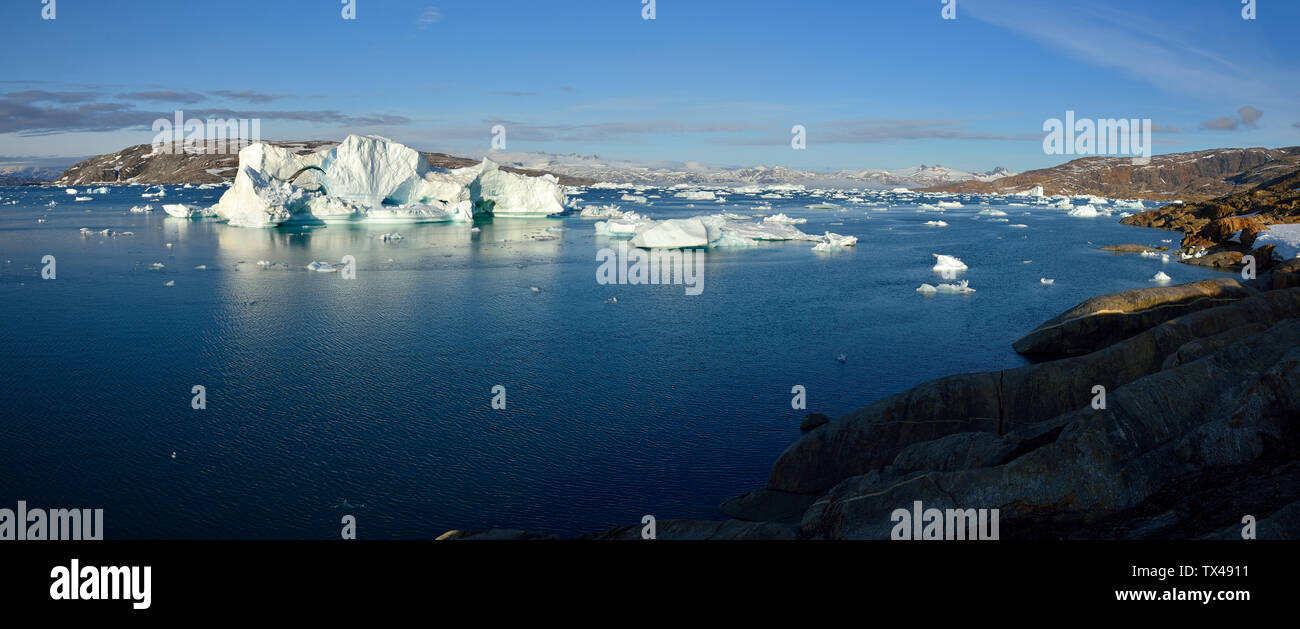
pixel 369 178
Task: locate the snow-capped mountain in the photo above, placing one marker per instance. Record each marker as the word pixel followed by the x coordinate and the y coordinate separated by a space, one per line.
pixel 694 173
pixel 21 174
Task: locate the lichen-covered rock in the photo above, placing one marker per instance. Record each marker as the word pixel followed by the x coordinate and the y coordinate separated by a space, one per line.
pixel 1103 321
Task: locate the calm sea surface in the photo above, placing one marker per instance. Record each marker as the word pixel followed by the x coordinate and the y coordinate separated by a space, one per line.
pixel 373 396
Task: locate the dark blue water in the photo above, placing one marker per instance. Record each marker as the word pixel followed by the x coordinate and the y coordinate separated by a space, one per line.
pixel 372 396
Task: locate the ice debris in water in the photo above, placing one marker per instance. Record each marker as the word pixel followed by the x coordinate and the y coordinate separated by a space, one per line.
pixel 834 242
pixel 958 288
pixel 945 264
pixel 322 267
pixel 1160 277
pixel 784 220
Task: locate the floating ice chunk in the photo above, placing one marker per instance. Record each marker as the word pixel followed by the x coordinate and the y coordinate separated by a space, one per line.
pixel 321 267
pixel 170 283
pixel 822 206
pixel 834 242
pixel 949 204
pixel 992 213
pixel 98 191
pixel 1018 225
pixel 177 210
pixel 1088 211
pixel 734 217
pixel 782 219
pixel 393 237
pixel 154 192
pixel 83 199
pixel 601 211
pixel 959 288
pixel 632 198
pixel 141 210
pixel 157 266
pixel 1160 277
pixel 1046 282
pixel 948 264
pixel 673 234
pixel 201 267
pixel 696 195
pixel 71 191
pixel 936 224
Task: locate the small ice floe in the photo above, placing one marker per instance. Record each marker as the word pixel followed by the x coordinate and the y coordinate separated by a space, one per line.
pixel 734 217
pixel 71 191
pixel 320 267
pixel 154 192
pixel 949 204
pixel 992 213
pixel 201 267
pixel 1160 277
pixel 170 245
pixel 98 191
pixel 1046 282
pixel 51 204
pixel 936 224
pixel 474 230
pixel 959 288
pixel 601 211
pixel 79 199
pixel 948 264
pixel 1018 225
pixel 822 206
pixel 834 242
pixel 534 289
pixel 842 358
pixel 782 219
pixel 393 237
pixel 170 283
pixel 173 455
pixel 632 198
pixel 141 210
pixel 612 300
pixel 157 266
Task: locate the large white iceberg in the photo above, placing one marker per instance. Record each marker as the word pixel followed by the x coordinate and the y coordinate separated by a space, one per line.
pixel 673 234
pixel 376 179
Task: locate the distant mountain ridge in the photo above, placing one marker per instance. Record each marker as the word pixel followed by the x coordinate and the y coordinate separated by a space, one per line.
pixel 692 173
pixel 27 175
pixel 1194 176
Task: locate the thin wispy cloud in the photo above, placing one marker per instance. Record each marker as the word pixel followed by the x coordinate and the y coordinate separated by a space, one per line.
pixel 428 17
pixel 250 96
pixel 881 130
pixel 35 113
pixel 166 96
pixel 1134 44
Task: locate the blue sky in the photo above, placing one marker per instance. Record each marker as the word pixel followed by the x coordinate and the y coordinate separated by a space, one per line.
pixel 877 83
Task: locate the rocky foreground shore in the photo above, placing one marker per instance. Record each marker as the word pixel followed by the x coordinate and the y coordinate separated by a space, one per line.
pixel 1200 428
